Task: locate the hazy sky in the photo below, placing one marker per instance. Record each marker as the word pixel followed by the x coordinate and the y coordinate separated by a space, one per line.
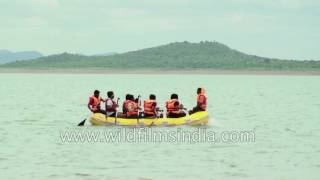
pixel 274 28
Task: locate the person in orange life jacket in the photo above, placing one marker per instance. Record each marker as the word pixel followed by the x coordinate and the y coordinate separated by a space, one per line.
pixel 174 107
pixel 94 103
pixel 111 105
pixel 150 107
pixel 131 107
pixel 124 110
pixel 201 101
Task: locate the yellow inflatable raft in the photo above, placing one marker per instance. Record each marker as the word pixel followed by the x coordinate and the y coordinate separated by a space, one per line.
pixel 198 118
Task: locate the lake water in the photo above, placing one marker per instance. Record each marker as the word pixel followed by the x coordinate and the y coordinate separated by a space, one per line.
pixel 282 111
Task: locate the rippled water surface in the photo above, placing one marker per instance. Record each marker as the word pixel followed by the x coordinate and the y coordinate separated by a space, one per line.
pixel 283 112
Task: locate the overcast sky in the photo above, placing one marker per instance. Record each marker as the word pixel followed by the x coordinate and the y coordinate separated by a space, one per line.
pixel 273 28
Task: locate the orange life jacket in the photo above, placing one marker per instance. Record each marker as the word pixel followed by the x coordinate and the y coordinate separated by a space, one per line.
pixel 171 107
pixel 149 107
pixel 131 108
pixel 95 105
pixel 113 108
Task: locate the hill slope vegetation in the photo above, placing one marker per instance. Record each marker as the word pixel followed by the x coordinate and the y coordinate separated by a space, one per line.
pixel 180 55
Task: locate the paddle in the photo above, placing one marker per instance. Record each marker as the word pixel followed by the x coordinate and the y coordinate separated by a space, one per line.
pixel 82 122
pixel 138 108
pixel 115 120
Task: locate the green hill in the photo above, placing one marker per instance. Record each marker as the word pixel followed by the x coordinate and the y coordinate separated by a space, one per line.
pixel 181 55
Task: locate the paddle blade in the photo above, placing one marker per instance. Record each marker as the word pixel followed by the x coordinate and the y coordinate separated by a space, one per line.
pixel 82 122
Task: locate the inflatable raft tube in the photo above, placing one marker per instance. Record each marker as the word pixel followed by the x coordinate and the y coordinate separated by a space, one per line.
pixel 198 118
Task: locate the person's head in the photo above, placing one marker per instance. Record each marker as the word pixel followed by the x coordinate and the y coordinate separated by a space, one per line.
pixel 152 97
pixel 131 97
pixel 199 90
pixel 127 96
pixel 96 93
pixel 110 94
pixel 174 96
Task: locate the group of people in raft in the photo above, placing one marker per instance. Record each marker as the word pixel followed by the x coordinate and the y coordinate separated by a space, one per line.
pixel 131 106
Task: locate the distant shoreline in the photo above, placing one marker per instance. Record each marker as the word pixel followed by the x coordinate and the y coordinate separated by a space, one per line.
pixel 153 71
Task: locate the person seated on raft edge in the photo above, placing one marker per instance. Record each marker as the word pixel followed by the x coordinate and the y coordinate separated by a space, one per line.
pixel 201 101
pixel 111 105
pixel 174 108
pixel 131 107
pixel 150 107
pixel 124 103
pixel 124 110
pixel 94 103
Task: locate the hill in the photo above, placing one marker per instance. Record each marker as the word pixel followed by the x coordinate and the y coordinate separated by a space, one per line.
pixel 180 55
pixel 8 56
pixel 105 54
